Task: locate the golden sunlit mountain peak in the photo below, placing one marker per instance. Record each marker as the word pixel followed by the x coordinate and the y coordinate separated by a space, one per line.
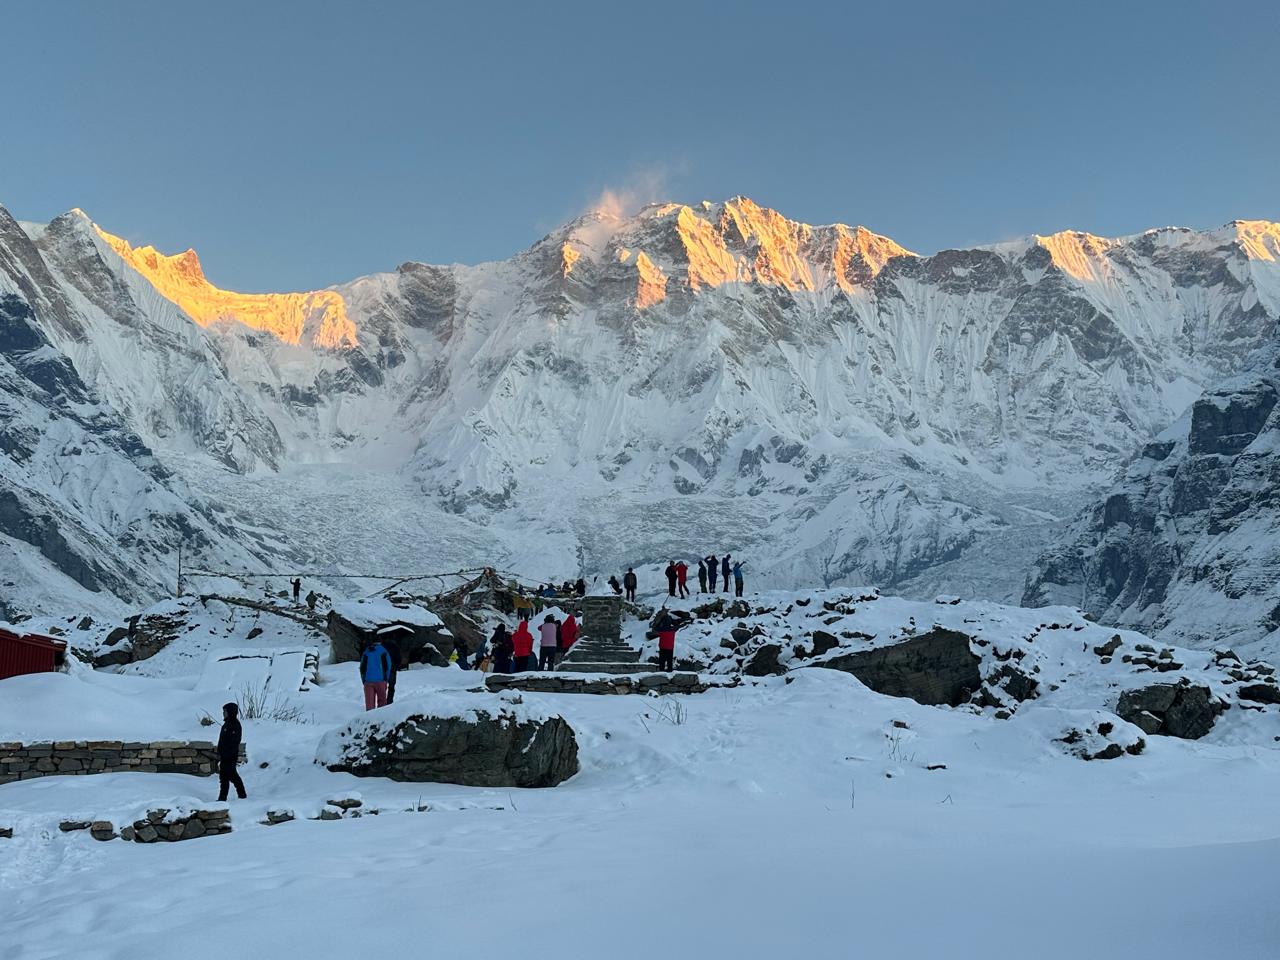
pixel 316 318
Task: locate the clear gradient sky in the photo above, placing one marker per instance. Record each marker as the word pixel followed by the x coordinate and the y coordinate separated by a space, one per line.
pixel 299 144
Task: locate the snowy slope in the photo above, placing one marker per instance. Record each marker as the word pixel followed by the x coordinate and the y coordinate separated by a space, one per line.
pixel 790 814
pixel 684 380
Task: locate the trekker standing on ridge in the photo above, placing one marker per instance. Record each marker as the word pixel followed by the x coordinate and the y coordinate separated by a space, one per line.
pixel 702 577
pixel 522 646
pixel 666 628
pixel 375 670
pixel 629 581
pixel 568 633
pixel 682 578
pixel 503 648
pixel 713 565
pixel 725 570
pixel 737 579
pixel 672 576
pixel 549 630
pixel 229 752
pixel 297 588
pixel 580 588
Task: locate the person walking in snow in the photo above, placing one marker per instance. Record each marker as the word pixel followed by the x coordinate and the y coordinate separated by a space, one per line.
pixel 549 643
pixel 725 570
pixel 522 646
pixel 375 671
pixel 672 577
pixel 629 581
pixel 229 752
pixel 503 648
pixel 297 588
pixel 666 628
pixel 702 577
pixel 568 633
pixel 682 578
pixel 737 579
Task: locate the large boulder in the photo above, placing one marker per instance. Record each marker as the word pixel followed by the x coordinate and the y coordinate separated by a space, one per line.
pixel 1183 710
pixel 934 668
pixel 353 624
pixel 500 747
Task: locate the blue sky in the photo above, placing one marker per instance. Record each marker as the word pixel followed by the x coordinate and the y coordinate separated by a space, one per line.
pixel 297 144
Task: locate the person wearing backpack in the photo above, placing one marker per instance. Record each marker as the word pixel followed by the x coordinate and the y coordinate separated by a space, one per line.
pixel 375 671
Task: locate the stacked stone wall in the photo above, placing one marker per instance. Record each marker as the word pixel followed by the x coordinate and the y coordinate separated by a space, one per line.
pixel 26 761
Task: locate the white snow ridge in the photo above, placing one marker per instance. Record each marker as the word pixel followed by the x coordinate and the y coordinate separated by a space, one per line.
pixel 1001 677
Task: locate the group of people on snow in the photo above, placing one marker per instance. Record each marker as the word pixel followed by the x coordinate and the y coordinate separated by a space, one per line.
pixel 677 573
pixel 513 650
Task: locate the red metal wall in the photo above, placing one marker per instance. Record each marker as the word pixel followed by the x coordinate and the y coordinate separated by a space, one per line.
pixel 28 654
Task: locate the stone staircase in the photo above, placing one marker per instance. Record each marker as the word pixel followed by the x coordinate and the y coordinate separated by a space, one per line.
pixel 603 655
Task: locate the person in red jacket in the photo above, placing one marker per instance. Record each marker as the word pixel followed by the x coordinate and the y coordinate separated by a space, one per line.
pixel 522 642
pixel 682 574
pixel 666 628
pixel 568 633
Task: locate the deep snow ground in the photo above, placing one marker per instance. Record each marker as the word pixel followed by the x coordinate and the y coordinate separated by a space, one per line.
pixel 777 819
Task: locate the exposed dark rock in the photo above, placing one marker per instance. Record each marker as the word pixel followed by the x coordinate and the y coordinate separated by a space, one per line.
pixel 936 667
pixel 487 751
pixel 1259 693
pixel 1017 684
pixel 1183 710
pixel 764 662
pixel 823 642
pixel 1109 648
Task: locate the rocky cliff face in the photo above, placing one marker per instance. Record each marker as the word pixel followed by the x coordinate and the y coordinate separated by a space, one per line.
pixel 1186 543
pixel 692 378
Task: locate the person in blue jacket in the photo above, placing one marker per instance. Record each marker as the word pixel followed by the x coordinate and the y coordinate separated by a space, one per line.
pixel 375 671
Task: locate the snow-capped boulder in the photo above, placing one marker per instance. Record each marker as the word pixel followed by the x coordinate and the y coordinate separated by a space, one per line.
pixel 355 623
pixel 504 745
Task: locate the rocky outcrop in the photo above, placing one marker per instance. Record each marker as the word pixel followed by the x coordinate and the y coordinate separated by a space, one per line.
pixel 937 667
pixel 1182 710
pixel 483 748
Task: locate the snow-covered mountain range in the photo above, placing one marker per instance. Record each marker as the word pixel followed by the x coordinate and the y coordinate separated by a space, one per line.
pixel 686 380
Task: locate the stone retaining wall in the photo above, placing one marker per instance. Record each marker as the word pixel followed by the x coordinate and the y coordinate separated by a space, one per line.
pixel 662 683
pixel 26 761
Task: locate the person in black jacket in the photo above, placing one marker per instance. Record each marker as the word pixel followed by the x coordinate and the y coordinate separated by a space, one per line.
pixel 671 578
pixel 713 567
pixel 629 581
pixel 726 568
pixel 229 752
pixel 502 648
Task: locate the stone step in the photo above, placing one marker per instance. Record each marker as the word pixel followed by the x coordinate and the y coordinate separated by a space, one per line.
pixel 587 666
pixel 610 656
